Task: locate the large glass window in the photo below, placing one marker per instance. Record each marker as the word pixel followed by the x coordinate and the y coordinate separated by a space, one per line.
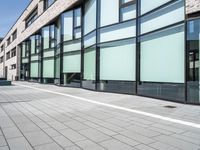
pixel 31 17
pixel 90 16
pixel 168 15
pixel 117 60
pixel 162 56
pixel 48 3
pixel 46 38
pixel 68 26
pixel 89 64
pixel 48 68
pixel 119 31
pixel 148 5
pixel 110 7
pixel 193 42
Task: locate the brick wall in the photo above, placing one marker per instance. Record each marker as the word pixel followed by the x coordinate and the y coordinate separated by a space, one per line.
pixel 192 6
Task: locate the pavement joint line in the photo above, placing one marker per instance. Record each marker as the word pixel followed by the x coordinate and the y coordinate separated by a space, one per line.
pixel 186 123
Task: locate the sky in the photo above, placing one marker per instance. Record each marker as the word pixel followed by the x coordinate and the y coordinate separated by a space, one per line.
pixel 10 10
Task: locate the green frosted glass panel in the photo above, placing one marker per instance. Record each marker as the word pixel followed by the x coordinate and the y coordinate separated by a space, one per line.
pixel 23 49
pixel 117 62
pixel 25 60
pixel 72 63
pixel 119 31
pixel 162 56
pixel 48 68
pixel 34 69
pixel 48 54
pixel 148 5
pixel 32 45
pixel 45 34
pixel 89 64
pixel 128 12
pixel 90 16
pixel 34 58
pixel 110 7
pixel 166 16
pixel 57 67
pixel 72 47
pixel 68 26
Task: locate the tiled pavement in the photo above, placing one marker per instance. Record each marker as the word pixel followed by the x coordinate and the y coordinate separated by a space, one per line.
pixel 33 119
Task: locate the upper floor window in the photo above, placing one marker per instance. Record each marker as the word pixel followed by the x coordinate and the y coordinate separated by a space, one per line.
pixel 2 48
pixel 1 59
pixel 14 35
pixel 8 41
pixel 48 3
pixel 13 52
pixel 31 17
pixel 8 55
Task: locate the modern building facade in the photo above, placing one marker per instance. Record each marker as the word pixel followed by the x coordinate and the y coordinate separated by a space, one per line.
pixel 141 47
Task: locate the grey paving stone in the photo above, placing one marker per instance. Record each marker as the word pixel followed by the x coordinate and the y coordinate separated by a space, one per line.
pixel 115 145
pixel 19 144
pixel 162 146
pixel 126 140
pixel 94 135
pixel 38 138
pixel 192 135
pixel 28 127
pixel 89 145
pixel 6 122
pixel 137 137
pixel 2 141
pixel 51 146
pixel 187 139
pixel 75 125
pixel 72 135
pixel 143 147
pixel 106 131
pixel 63 141
pixel 169 128
pixel 72 148
pixel 51 132
pixel 57 125
pixel 177 143
pixel 143 131
pixel 4 148
pixel 12 132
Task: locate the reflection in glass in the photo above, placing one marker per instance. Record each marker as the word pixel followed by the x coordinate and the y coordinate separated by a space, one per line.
pixel 193 47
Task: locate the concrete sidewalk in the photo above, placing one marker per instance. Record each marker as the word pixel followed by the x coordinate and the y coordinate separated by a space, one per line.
pixel 42 120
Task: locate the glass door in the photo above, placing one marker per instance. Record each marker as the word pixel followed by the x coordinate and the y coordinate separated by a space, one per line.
pixel 193 47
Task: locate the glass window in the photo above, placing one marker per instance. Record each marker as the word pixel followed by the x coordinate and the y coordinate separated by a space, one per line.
pixel 117 60
pixel 162 56
pixel 48 68
pixel 34 69
pixel 90 16
pixel 31 17
pixel 72 62
pixel 126 1
pixel 89 64
pixel 48 3
pixel 90 40
pixel 57 69
pixel 119 31
pixel 32 38
pixel 77 20
pixel 109 12
pixel 128 12
pixel 67 19
pixel 166 16
pixel 45 34
pixel 148 5
pixel 193 43
pixel 72 46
